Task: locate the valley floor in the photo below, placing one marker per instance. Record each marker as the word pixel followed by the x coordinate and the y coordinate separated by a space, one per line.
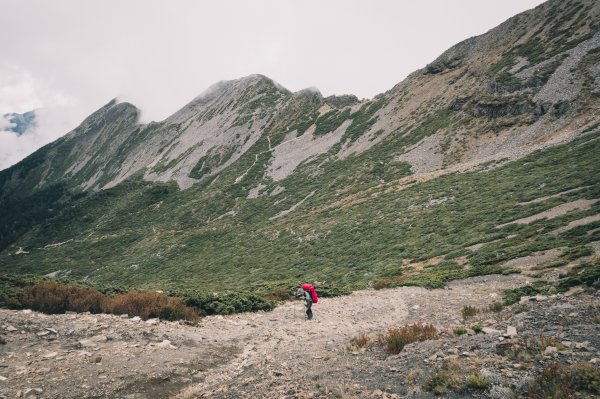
pixel 280 355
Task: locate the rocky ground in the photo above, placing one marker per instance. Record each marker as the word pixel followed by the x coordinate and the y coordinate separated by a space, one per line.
pixel 280 355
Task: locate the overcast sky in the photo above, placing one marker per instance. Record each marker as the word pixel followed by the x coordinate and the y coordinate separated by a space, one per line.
pixel 69 57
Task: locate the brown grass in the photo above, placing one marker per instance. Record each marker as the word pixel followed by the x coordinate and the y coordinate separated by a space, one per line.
pixel 149 305
pixel 397 338
pixel 54 297
pixel 360 341
pixel 469 311
pixel 562 381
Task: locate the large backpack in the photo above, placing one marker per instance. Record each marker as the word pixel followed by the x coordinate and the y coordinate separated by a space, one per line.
pixel 313 293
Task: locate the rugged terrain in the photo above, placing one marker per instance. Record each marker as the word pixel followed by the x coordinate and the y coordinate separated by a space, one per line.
pixel 280 355
pixel 476 174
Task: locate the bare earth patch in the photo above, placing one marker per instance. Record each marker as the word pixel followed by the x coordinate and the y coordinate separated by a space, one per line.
pixel 577 223
pixel 559 210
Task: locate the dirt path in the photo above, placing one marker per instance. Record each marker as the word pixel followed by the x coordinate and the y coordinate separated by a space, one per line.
pixel 278 344
pixel 248 355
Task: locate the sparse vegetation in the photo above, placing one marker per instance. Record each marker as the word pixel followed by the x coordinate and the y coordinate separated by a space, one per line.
pixel 469 311
pixel 563 381
pixel 360 341
pixel 496 306
pixel 460 330
pixel 397 338
pixel 454 376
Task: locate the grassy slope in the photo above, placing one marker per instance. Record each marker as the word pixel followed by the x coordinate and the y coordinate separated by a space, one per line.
pixel 155 236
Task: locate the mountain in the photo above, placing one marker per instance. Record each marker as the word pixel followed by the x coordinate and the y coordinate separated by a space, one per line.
pixel 253 186
pixel 19 123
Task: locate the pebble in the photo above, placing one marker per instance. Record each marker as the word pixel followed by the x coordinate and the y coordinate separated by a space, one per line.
pixel 511 332
pixel 11 329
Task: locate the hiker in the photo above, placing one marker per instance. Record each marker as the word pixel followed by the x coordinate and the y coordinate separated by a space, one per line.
pixel 309 295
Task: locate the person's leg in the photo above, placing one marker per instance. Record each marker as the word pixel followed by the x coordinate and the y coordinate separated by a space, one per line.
pixel 309 313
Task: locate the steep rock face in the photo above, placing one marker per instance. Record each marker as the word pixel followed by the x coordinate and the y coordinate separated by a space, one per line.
pixel 500 95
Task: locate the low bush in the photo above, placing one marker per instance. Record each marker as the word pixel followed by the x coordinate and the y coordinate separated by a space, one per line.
pixel 453 375
pixel 469 311
pixel 380 284
pixel 476 381
pixel 149 305
pixel 496 306
pixel 54 297
pixel 360 341
pixel 477 328
pixel 460 330
pixel 228 303
pixel 397 338
pixel 561 381
pixel 514 295
pixel 530 347
pixel 12 290
pixel 444 379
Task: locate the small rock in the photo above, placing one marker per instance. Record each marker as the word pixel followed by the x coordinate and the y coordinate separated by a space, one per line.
pixel 42 333
pixel 584 346
pixel 511 331
pixel 93 341
pixel 151 322
pixel 50 355
pixel 567 344
pixel 11 329
pixel 574 291
pixel 124 316
pixel 3 378
pixel 97 359
pixel 27 311
pixel 540 298
pixel 573 314
pixel 415 307
pixel 136 318
pixel 453 351
pixel 550 350
pixel 491 331
pixel 378 393
pixel 166 344
pixel 504 347
pixel 52 330
pixel 594 360
pixel 524 299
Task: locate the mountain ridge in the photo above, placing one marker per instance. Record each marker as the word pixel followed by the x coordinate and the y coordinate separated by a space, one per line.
pixel 250 184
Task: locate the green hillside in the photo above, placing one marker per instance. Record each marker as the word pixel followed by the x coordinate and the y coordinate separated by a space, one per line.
pixel 156 236
pixel 250 186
